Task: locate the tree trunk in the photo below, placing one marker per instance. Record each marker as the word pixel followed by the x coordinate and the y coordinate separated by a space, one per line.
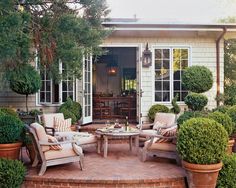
pixel 26 102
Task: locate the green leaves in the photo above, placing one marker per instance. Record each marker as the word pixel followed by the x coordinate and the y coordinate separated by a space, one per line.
pixel 196 101
pixel 156 108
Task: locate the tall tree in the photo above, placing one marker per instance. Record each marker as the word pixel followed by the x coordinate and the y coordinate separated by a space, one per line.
pixel 62 30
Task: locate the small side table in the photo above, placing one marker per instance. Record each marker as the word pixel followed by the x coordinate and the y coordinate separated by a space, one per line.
pixel 106 134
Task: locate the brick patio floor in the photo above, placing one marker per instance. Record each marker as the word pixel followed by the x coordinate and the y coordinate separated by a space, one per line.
pixel 120 169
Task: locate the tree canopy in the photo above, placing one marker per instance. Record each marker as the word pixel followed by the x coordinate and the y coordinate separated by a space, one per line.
pixel 54 31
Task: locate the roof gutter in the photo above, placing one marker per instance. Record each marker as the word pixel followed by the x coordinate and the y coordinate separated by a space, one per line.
pixel 218 62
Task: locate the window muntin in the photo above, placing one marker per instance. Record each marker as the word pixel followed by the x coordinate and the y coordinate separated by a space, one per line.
pixel 45 93
pixel 169 66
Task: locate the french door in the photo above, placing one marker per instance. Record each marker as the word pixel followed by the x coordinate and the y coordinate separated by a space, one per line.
pixel 87 89
pixel 138 84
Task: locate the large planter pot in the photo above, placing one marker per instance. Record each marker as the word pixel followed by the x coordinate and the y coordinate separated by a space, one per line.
pixel 230 146
pixel 10 151
pixel 200 176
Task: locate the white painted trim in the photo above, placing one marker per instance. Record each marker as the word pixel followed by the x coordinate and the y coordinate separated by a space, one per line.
pixel 165 29
pixel 171 47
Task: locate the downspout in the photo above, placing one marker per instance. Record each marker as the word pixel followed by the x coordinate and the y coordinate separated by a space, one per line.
pixel 218 62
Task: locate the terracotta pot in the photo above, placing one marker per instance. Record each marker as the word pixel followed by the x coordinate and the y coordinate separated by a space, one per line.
pixel 200 176
pixel 230 146
pixel 10 151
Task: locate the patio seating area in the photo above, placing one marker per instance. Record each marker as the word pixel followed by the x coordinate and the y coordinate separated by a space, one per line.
pixel 120 168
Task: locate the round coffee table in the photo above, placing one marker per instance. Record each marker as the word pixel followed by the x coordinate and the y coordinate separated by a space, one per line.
pixel 106 134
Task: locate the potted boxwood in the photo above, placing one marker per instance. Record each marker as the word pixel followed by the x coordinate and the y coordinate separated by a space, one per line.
pixel 227 123
pixel 11 134
pixel 201 144
pixel 232 113
pixel 12 173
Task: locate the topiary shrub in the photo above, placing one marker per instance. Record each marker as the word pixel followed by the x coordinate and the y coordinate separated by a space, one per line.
pixel 224 120
pixel 188 115
pixel 71 109
pixel 196 101
pixel 232 113
pixel 227 175
pixel 202 141
pixel 9 111
pixel 175 109
pixel 222 109
pixel 11 129
pixel 197 79
pixel 24 80
pixel 12 173
pixel 156 108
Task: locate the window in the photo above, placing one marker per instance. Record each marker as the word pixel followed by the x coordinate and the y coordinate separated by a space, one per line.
pixel 55 93
pixel 169 66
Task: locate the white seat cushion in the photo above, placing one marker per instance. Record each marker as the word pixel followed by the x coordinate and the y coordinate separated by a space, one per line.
pixel 62 125
pixel 147 133
pixel 48 119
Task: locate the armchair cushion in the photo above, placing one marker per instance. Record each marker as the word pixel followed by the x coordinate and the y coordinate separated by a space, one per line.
pixel 41 134
pixel 62 125
pixel 157 125
pixel 48 119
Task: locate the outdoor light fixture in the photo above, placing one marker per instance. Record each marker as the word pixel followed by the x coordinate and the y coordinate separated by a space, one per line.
pixel 112 68
pixel 147 57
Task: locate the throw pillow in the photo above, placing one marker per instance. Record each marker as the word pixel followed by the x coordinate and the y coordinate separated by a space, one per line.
pixel 62 125
pixel 158 125
pixel 169 132
pixel 54 140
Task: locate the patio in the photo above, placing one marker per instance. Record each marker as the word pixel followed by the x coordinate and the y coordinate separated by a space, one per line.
pixel 120 169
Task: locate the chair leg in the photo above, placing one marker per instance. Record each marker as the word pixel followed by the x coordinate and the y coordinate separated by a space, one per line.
pixel 43 169
pixel 36 161
pixel 81 162
pixel 144 155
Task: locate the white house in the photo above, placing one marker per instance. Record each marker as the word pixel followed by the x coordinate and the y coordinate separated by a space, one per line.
pixel 122 76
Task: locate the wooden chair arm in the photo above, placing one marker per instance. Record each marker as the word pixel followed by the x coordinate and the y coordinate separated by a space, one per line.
pixel 44 143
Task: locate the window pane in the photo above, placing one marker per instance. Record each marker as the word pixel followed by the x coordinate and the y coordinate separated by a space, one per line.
pixel 70 86
pixel 177 93
pixel 64 86
pixel 166 64
pixel 166 96
pixel 166 53
pixel 157 64
pixel 184 54
pixel 158 75
pixel 177 75
pixel 64 96
pixel 43 86
pixel 184 64
pixel 158 86
pixel 166 76
pixel 176 85
pixel 184 94
pixel 166 85
pixel 48 97
pixel 48 86
pixel 42 97
pixel 158 54
pixel 158 96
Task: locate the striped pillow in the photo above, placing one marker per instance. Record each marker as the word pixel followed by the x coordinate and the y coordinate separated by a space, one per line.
pixel 167 133
pixel 62 125
pixel 54 140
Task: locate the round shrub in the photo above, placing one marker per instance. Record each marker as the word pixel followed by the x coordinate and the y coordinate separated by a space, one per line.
pixel 202 141
pixel 156 108
pixel 73 108
pixel 195 101
pixel 12 173
pixel 188 115
pixel 9 111
pixel 224 120
pixel 197 79
pixel 232 113
pixel 11 129
pixel 222 108
pixel 227 175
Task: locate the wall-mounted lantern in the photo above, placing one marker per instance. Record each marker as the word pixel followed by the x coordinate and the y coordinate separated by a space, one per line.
pixel 112 68
pixel 147 57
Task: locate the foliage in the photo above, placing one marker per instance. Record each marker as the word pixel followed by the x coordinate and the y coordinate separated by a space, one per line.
pixel 11 129
pixel 24 80
pixel 202 141
pixel 222 108
pixel 224 120
pixel 9 111
pixel 227 175
pixel 156 108
pixel 35 112
pixel 197 79
pixel 175 109
pixel 230 94
pixel 196 101
pixel 188 115
pixel 71 109
pixel 232 113
pixel 12 173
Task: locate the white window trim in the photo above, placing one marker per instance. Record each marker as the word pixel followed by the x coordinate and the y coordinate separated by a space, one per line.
pixel 171 47
pixel 37 95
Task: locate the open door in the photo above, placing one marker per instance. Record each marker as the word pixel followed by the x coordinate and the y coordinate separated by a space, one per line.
pixel 87 89
pixel 139 90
